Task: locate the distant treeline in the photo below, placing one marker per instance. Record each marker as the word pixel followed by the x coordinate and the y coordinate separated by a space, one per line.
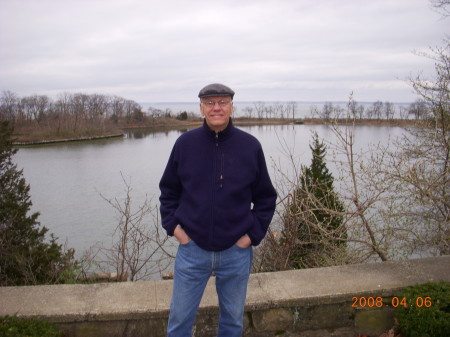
pixel 76 108
pixel 74 111
pixel 420 110
pixel 75 116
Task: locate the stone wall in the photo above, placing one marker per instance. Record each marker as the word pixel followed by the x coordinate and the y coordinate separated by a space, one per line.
pixel 310 303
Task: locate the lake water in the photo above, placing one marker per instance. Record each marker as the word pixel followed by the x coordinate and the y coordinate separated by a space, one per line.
pixel 66 180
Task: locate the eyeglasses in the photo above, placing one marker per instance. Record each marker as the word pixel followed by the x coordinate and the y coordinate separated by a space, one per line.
pixel 211 104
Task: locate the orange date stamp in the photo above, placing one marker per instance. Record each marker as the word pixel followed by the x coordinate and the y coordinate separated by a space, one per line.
pixel 378 302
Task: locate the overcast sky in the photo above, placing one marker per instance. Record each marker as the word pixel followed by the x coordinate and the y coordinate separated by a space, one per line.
pixel 166 51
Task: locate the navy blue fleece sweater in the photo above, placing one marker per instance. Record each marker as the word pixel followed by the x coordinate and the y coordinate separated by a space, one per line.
pixel 217 187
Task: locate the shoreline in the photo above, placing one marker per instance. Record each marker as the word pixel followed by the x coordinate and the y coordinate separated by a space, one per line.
pixel 240 121
pixel 67 140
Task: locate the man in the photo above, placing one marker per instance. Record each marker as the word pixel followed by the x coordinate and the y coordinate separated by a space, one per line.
pixel 217 200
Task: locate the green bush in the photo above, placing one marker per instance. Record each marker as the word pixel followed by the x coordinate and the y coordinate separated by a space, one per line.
pixel 21 327
pixel 27 255
pixel 427 312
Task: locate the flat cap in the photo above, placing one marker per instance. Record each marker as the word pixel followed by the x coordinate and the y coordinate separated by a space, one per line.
pixel 216 89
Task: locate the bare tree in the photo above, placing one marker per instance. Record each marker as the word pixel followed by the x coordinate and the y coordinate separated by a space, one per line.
pixel 441 6
pixel 35 108
pixel 377 108
pixel 419 109
pixel 80 108
pixel 355 109
pixel 328 110
pixel 269 110
pixel 291 109
pixel 361 192
pixel 260 108
pixel 423 163
pixel 278 110
pixel 248 110
pixel 403 112
pixel 400 196
pixel 389 110
pixel 117 108
pixel 138 250
pixel 62 109
pixel 314 111
pixel 8 105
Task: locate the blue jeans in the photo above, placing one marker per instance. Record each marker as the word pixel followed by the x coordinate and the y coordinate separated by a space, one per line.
pixel 193 267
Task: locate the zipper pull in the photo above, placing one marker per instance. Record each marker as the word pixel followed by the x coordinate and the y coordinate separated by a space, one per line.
pixel 222 163
pixel 217 139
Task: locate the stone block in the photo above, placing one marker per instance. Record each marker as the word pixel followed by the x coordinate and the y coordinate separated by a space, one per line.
pixel 147 327
pixel 277 319
pixel 324 316
pixel 374 322
pixel 96 329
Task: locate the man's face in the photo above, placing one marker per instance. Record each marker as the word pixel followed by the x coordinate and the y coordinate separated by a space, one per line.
pixel 217 111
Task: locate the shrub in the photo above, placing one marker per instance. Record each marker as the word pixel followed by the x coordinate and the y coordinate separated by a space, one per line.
pixel 427 313
pixel 313 221
pixel 27 257
pixel 182 116
pixel 21 327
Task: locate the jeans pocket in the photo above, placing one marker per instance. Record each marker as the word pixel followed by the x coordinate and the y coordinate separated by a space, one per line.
pixel 187 244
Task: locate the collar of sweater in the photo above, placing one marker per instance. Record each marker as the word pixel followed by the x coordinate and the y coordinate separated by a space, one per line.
pixel 221 135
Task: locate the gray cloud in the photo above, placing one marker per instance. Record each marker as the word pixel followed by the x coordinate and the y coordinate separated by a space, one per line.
pixel 153 51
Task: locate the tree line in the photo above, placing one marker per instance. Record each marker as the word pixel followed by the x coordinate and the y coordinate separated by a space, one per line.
pixel 73 108
pixel 75 111
pixel 419 110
